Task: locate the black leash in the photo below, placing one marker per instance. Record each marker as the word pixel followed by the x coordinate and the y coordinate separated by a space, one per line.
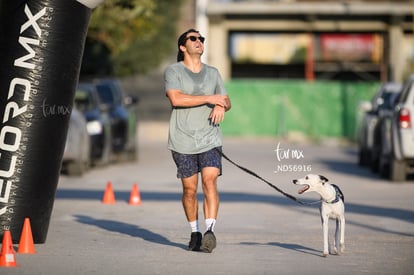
pixel 264 180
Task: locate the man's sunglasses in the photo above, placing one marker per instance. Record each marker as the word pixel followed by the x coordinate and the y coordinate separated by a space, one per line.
pixel 194 38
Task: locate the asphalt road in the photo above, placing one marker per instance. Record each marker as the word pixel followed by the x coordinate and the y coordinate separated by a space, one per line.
pixel 259 231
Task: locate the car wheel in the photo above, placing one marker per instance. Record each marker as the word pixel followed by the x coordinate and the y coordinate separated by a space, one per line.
pixel 384 168
pixel 374 163
pixel 383 164
pixel 126 156
pixel 105 159
pixel 363 157
pixel 76 168
pixel 398 170
pixel 131 155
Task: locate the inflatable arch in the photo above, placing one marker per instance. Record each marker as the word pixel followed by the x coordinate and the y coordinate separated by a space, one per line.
pixel 41 47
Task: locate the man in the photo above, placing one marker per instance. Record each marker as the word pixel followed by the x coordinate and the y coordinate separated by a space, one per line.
pixel 199 101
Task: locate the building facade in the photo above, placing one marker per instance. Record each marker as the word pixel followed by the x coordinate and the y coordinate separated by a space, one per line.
pixel 335 40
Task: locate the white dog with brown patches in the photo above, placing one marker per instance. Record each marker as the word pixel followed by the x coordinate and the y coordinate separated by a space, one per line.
pixel 332 206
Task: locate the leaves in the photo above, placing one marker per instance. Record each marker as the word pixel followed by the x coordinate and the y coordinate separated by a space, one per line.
pixel 137 34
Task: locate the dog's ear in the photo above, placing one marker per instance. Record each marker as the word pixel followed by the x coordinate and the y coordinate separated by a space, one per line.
pixel 323 179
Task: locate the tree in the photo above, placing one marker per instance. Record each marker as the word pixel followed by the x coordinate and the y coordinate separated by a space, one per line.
pixel 129 36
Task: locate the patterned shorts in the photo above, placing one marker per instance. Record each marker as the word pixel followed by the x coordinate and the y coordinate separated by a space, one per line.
pixel 190 164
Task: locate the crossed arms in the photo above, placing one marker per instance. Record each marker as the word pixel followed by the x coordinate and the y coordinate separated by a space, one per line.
pixel 221 103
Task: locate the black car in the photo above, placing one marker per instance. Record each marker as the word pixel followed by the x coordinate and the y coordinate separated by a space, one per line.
pixel 381 101
pixel 123 117
pixel 98 120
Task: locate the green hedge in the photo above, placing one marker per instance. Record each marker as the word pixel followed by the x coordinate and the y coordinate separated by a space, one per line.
pixel 276 108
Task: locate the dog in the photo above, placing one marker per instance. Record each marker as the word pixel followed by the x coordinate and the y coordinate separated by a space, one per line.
pixel 332 206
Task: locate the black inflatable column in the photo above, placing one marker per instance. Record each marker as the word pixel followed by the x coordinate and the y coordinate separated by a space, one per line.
pixel 41 47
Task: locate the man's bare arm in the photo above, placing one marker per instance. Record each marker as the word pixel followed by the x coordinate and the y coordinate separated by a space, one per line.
pixel 179 99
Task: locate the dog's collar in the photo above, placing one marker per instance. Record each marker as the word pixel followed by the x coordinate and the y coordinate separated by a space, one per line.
pixel 338 195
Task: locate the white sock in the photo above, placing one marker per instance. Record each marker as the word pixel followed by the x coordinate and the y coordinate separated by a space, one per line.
pixel 210 224
pixel 194 226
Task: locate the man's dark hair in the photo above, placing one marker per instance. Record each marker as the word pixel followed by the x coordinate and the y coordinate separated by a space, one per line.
pixel 181 42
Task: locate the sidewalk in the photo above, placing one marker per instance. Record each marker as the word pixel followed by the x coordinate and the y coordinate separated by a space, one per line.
pixel 259 231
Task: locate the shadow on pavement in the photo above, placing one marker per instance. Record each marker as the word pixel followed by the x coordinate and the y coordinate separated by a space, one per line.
pixel 401 214
pixel 127 229
pixel 229 197
pixel 289 246
pixel 352 168
pixel 84 194
pixel 297 247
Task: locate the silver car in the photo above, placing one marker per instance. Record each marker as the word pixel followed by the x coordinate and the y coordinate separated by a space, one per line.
pixel 397 136
pixel 76 157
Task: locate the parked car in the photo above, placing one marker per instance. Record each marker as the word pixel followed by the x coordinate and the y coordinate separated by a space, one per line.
pixel 396 136
pixel 123 117
pixel 379 134
pixel 382 100
pixel 77 148
pixel 98 121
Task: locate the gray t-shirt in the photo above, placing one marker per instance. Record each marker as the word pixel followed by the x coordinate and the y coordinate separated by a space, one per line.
pixel 191 131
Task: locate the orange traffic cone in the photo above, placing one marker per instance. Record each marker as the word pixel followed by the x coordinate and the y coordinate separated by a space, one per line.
pixel 135 197
pixel 26 245
pixel 109 196
pixel 7 256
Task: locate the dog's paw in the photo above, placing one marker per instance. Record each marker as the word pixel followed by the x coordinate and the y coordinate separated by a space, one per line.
pixel 339 251
pixel 325 254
